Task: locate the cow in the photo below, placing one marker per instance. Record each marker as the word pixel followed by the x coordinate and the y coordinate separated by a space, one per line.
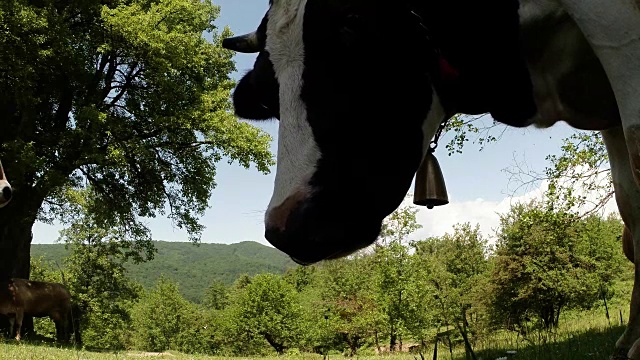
pixel 10 306
pixel 5 188
pixel 20 297
pixel 360 88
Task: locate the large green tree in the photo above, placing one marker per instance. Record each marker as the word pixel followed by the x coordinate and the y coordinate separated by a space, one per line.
pixel 217 296
pixel 392 271
pixel 548 261
pixel 125 98
pixel 160 316
pixel 348 294
pixel 453 267
pixel 96 277
pixel 268 309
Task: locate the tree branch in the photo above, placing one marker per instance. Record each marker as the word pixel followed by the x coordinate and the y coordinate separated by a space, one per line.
pixel 133 73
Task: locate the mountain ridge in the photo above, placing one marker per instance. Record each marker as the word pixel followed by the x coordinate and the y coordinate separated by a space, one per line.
pixel 193 266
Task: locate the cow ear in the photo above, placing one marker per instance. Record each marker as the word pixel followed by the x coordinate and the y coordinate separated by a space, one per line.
pixel 252 102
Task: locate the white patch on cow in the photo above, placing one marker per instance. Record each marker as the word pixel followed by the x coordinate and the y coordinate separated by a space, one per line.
pixel 3 185
pixel 297 151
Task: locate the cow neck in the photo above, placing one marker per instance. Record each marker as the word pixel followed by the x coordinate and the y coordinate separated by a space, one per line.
pixel 444 70
pixel 443 74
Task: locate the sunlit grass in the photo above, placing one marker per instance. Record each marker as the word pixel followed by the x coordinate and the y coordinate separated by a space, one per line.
pixel 585 335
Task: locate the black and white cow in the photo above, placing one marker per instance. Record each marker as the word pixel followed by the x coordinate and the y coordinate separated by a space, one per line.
pixel 5 188
pixel 359 90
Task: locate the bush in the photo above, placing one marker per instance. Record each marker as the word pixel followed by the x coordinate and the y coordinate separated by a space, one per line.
pixel 164 320
pixel 266 310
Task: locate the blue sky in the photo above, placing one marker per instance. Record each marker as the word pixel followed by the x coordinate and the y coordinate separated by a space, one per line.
pixel 476 182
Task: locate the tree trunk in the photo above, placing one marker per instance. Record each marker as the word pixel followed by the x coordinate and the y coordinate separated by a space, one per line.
pixel 353 343
pixel 435 350
pixel 470 355
pixel 15 245
pixel 556 317
pixel 392 341
pixel 278 347
pixel 16 223
pixel 463 332
pixel 606 307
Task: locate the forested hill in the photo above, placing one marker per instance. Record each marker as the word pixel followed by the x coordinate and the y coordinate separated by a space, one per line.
pixel 194 267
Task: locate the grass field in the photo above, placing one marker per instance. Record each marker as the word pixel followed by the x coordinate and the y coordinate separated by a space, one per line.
pixel 594 344
pixel 582 335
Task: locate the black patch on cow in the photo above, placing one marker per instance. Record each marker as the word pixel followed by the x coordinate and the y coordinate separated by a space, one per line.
pixel 481 39
pixel 256 95
pixel 367 93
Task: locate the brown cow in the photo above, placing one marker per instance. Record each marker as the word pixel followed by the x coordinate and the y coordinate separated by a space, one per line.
pixel 39 299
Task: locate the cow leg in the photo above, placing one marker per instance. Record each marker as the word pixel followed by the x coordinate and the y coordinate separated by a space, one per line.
pixel 627 247
pixel 61 325
pixel 613 30
pixel 634 353
pixel 19 317
pixel 12 322
pixel 627 193
pixel 59 329
pixel 63 329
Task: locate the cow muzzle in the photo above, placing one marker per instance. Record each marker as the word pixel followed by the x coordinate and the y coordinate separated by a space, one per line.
pixel 309 232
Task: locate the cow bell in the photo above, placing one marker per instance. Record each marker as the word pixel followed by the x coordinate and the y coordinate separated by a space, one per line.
pixel 429 189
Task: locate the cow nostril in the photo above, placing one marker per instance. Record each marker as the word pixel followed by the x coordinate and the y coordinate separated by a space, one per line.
pixel 6 193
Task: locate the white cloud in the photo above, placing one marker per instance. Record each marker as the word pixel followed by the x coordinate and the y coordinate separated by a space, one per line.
pixel 440 219
pixel 435 222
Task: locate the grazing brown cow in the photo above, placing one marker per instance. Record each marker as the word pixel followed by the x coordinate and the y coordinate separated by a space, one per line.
pixel 39 299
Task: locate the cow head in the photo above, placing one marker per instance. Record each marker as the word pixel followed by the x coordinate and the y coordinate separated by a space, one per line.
pixel 5 188
pixel 349 83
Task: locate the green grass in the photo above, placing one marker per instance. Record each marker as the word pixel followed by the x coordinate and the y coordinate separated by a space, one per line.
pixel 588 344
pixel 588 336
pixel 13 350
pixel 584 335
